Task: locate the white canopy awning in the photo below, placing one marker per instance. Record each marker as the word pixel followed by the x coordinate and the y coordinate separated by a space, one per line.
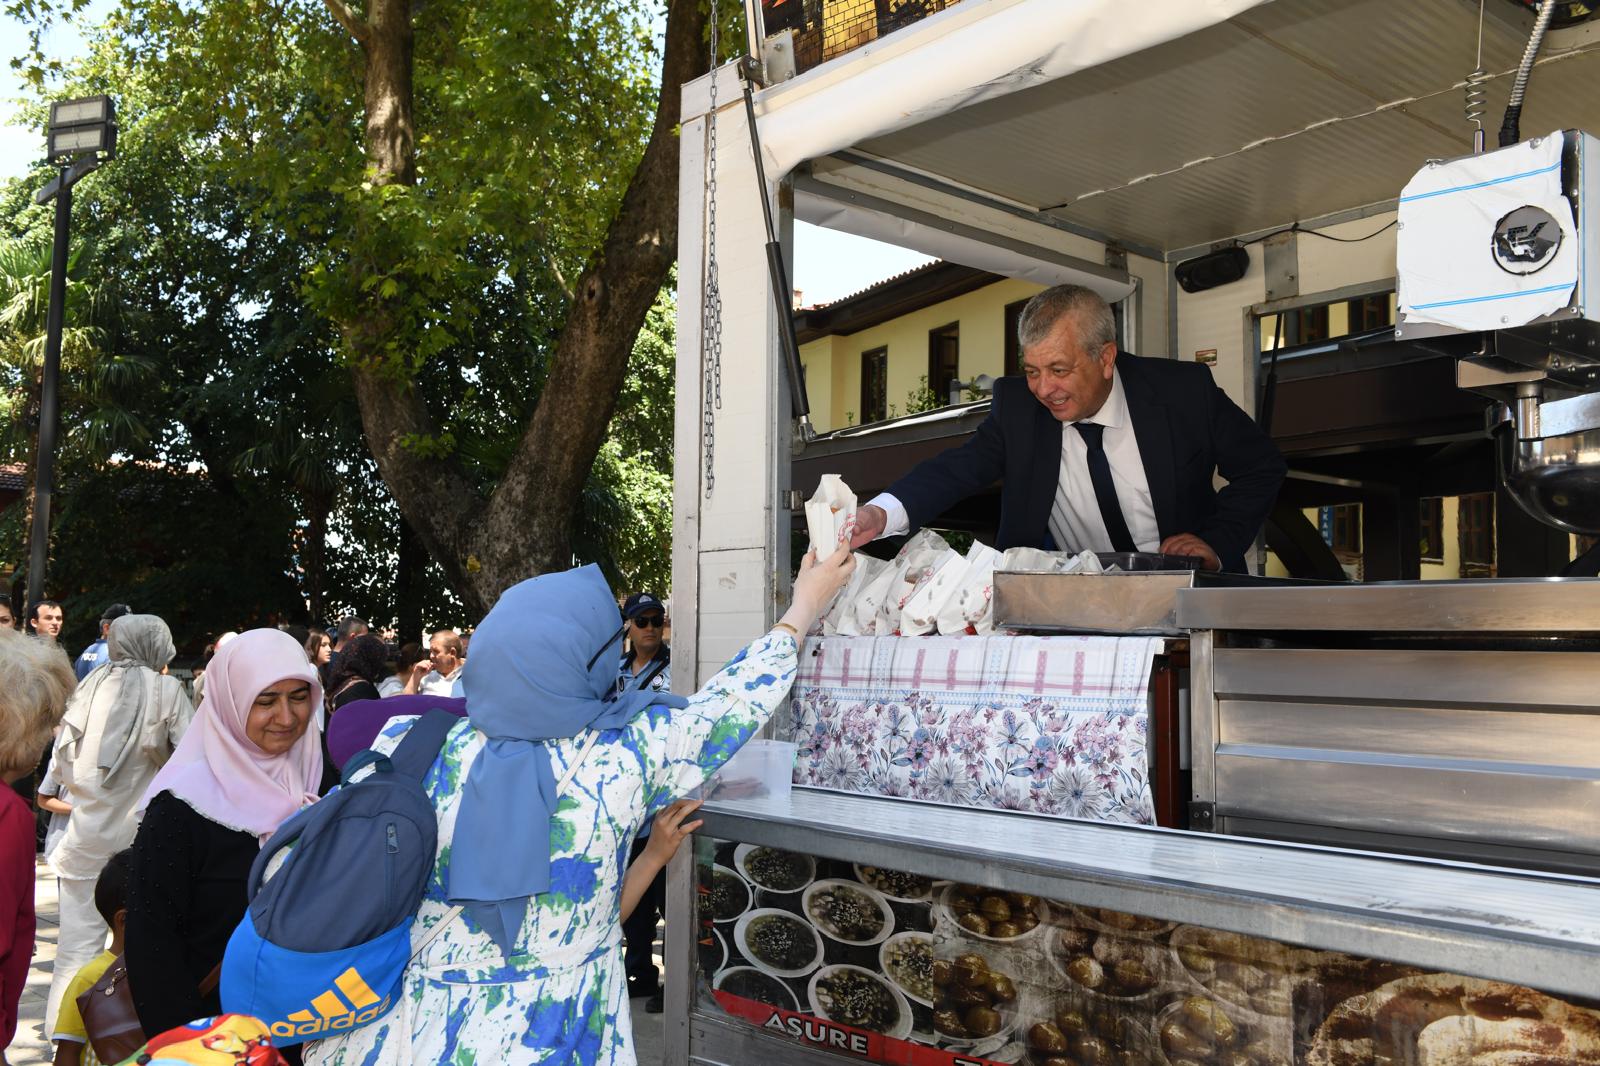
pixel 975 51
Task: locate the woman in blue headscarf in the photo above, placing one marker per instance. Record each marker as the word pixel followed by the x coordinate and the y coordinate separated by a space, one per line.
pixel 532 971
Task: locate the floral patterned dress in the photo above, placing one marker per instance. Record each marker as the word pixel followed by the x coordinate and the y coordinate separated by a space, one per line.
pixel 562 997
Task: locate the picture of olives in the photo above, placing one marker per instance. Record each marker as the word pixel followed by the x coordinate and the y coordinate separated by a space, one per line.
pixel 1075 941
pixel 1205 1017
pixel 994 908
pixel 1071 1021
pixel 1056 1060
pixel 1001 988
pixel 971 969
pixel 1132 976
pixel 982 1021
pixel 1092 1051
pixel 993 913
pixel 1178 1040
pixel 1087 971
pixel 943 972
pixel 967 1006
pixel 1046 1037
pixel 973 922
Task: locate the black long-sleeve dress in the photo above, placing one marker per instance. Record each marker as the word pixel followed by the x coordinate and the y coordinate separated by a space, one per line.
pixel 186 894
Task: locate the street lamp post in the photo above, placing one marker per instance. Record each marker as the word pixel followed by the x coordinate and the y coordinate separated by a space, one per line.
pixel 81 135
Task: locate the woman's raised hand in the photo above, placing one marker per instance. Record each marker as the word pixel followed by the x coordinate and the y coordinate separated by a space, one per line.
pixel 818 582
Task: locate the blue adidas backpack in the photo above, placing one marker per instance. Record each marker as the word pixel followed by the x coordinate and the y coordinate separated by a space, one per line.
pixel 325 943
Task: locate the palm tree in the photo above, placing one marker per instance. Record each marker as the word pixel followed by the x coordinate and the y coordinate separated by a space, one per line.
pixel 95 383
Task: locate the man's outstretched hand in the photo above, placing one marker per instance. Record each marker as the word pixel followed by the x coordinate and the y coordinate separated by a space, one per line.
pixel 870 521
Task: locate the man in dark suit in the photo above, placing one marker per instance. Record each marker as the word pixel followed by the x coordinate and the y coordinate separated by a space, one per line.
pixel 1111 452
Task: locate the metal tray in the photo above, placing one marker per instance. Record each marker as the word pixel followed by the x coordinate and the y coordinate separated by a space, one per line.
pixel 1144 602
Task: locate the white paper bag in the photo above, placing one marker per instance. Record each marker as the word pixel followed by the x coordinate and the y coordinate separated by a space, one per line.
pixel 840 617
pixel 863 614
pixel 1085 562
pixel 1030 559
pixel 916 564
pixel 830 515
pixel 973 594
pixel 921 613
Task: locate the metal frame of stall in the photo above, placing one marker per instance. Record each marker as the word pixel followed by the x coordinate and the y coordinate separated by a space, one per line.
pixel 732 518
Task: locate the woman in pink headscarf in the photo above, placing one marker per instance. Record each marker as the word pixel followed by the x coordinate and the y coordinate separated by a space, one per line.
pixel 251 758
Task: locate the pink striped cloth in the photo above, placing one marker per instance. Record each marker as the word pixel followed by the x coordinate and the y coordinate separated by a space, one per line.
pixel 1050 725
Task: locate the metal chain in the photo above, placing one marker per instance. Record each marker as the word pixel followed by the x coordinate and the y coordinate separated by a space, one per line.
pixel 711 300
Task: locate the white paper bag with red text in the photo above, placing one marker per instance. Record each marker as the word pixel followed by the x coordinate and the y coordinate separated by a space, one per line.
pixel 830 515
pixel 916 564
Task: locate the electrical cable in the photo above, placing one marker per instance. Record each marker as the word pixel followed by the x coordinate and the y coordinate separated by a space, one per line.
pixel 1511 125
pixel 1296 228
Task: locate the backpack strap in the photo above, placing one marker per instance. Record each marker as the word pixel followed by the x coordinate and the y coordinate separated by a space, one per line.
pixel 586 744
pixel 418 749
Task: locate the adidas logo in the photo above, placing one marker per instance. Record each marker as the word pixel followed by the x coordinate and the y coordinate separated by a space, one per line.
pixel 329 1013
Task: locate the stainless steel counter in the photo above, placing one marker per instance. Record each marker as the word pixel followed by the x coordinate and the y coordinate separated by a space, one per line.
pixel 1454 719
pixel 1514 605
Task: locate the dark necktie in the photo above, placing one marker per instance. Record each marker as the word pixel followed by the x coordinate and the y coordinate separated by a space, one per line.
pixel 1105 490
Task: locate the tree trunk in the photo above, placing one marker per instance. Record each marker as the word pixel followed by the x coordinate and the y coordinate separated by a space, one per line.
pixel 525 527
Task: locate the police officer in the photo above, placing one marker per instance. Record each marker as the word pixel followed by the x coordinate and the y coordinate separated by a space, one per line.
pixel 647 661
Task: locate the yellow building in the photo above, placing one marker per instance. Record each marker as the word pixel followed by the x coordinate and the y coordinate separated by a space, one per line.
pixel 893 349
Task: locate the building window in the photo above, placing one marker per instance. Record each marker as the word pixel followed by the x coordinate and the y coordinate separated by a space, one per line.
pixel 874 385
pixel 944 360
pixel 1430 521
pixel 1341 529
pixel 1370 312
pixel 1013 346
pixel 1476 521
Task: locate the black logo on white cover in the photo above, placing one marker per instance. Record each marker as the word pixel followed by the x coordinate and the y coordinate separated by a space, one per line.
pixel 1526 240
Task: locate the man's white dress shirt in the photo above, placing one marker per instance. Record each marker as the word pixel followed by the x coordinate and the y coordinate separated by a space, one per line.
pixel 1075 521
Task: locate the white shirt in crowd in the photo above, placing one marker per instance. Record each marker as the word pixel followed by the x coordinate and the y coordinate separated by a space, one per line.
pixel 436 684
pixel 391 686
pixel 1075 520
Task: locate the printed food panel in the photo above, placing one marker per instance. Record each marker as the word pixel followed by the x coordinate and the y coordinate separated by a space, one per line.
pixel 901 968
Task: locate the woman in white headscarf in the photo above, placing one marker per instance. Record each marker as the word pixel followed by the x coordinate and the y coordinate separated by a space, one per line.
pixel 120 727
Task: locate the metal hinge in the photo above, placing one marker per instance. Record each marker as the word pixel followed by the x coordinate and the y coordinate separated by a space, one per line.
pixel 1203 817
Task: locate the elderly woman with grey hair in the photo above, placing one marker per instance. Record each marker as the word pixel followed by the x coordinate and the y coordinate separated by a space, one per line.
pixel 120 727
pixel 35 678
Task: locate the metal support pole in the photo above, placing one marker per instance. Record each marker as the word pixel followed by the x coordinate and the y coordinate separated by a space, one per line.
pixel 44 461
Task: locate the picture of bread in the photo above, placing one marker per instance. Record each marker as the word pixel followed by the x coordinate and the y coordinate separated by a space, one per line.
pixel 1445 1020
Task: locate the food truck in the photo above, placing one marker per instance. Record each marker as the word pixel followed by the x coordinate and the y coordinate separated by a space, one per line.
pixel 1165 816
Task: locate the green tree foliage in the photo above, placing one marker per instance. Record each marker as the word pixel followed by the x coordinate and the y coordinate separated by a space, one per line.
pixel 291 293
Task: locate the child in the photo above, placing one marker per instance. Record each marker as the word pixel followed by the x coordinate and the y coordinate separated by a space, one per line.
pixel 48 797
pixel 111 900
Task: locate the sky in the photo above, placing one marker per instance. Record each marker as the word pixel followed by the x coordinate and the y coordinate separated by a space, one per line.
pixel 827 264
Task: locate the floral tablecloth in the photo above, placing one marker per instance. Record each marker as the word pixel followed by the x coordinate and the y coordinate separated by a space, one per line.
pixel 1048 725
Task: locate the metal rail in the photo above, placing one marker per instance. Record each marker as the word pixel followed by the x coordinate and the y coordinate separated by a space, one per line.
pixel 1538 930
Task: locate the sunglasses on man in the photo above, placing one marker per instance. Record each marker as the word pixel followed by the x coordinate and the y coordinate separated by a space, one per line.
pixel 650 621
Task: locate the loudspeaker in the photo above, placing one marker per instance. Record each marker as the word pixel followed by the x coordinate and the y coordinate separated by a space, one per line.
pixel 1213 269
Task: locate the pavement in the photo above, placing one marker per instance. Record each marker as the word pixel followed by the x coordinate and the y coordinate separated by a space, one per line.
pixel 29 1047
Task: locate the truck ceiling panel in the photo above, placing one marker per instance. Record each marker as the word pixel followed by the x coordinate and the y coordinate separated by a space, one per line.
pixel 1183 116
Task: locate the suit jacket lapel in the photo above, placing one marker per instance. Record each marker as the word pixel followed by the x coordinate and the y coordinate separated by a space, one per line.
pixel 1153 430
pixel 1046 471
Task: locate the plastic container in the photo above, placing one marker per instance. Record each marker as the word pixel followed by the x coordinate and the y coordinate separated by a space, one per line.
pixel 765 982
pixel 1258 1041
pixel 811 905
pixel 917 942
pixel 741 938
pixel 803 867
pixel 762 769
pixel 945 918
pixel 1139 562
pixel 898 1029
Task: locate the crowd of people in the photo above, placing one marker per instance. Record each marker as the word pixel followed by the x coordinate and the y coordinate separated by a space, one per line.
pixel 161 800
